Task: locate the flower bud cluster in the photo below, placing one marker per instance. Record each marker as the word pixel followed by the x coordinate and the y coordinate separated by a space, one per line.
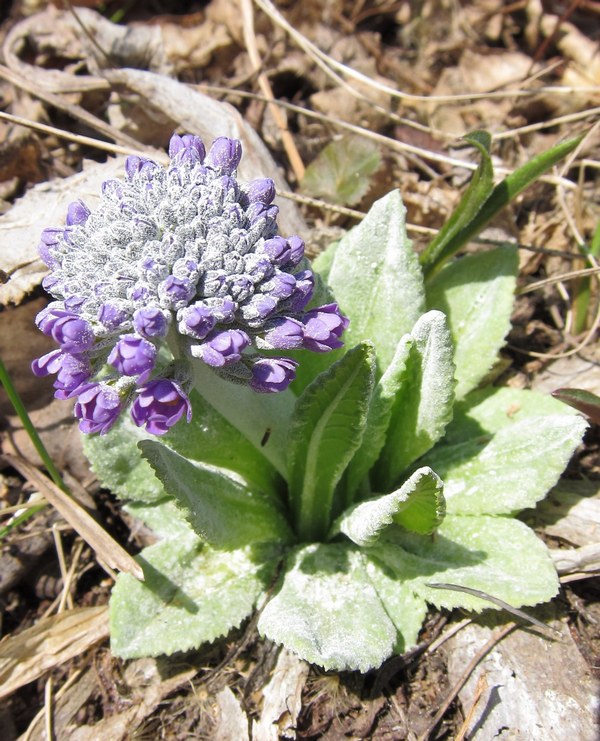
pixel 186 254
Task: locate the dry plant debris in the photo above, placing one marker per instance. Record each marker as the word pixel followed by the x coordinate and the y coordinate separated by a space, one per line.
pixel 408 79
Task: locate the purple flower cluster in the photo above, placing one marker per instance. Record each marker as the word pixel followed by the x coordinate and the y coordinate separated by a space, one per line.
pixel 185 255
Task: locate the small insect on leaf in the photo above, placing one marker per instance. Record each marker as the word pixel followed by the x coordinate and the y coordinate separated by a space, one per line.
pixel 265 437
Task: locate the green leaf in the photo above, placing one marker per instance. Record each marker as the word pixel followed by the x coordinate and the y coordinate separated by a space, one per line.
pixel 250 413
pixel 406 609
pixel 326 429
pixel 417 505
pixel 485 411
pixel 163 517
pixel 508 470
pixel 322 263
pixel 477 193
pixel 376 279
pixel 497 555
pixel 209 438
pixel 328 611
pixel 476 292
pixel 423 402
pixel 378 420
pixel 191 594
pixel 501 196
pixel 340 173
pixel 117 462
pixel 219 508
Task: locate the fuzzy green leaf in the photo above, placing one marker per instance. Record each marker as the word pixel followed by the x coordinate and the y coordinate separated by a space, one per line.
pixel 219 508
pixel 485 411
pixel 508 470
pixel 328 611
pixel 476 292
pixel 341 172
pixel 496 555
pixel 376 279
pixel 417 505
pixel 209 438
pixel 423 402
pixel 378 419
pixel 326 429
pixel 191 594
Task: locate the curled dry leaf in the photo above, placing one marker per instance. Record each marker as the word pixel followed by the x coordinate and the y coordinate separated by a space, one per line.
pixel 49 643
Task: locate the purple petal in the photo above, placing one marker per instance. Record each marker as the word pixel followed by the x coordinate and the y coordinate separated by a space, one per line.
pixel 159 405
pixel 271 375
pixel 77 213
pixel 261 190
pixel 133 356
pixel 323 327
pixel 225 155
pixel 186 148
pixel 223 348
pixel 97 408
pixel 284 333
pixel 150 321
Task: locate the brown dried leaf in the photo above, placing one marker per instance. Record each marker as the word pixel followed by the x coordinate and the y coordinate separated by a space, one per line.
pixel 53 640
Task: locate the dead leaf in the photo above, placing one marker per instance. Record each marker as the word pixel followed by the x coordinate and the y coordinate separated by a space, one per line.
pixel 50 642
pixel 233 721
pixel 282 699
pixel 539 689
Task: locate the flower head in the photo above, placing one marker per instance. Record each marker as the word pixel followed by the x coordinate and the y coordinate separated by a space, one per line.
pixel 184 254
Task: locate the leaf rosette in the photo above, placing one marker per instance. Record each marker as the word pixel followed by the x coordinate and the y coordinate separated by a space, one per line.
pixel 400 472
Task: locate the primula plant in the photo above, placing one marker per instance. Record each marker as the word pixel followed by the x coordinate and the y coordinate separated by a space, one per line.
pixel 317 442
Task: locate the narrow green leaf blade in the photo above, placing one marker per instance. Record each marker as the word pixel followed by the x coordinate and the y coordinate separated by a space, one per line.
pixel 417 505
pixel 326 429
pixel 191 595
pixel 328 611
pixel 497 555
pixel 476 292
pixel 501 196
pixel 341 172
pixel 423 403
pixel 376 279
pixel 509 470
pixel 219 508
pixel 476 194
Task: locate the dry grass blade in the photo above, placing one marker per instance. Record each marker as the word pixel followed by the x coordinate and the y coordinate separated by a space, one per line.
pixel 106 548
pixel 28 655
pixel 331 65
pixel 498 602
pixel 265 86
pixel 73 110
